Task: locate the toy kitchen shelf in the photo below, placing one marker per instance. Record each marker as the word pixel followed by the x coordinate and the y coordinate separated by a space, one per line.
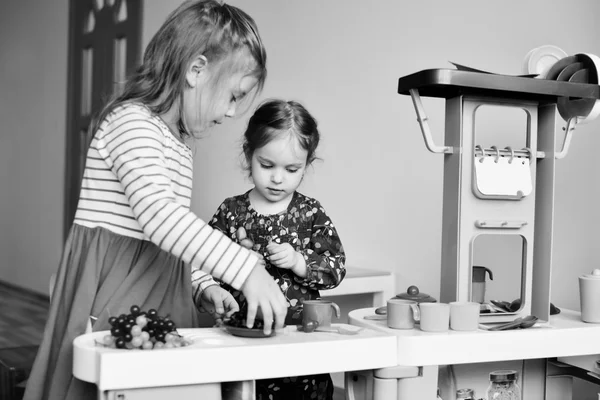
pixel 564 337
pixel 484 191
pixel 448 83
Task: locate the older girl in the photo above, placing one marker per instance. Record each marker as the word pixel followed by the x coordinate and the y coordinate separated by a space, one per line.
pixel 134 239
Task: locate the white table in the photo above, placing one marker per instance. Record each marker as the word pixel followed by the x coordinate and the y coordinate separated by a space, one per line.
pixel 419 353
pixel 198 369
pixel 381 284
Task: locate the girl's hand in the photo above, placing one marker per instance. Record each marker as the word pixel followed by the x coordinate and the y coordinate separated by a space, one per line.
pixel 218 302
pixel 243 238
pixel 262 294
pixel 284 256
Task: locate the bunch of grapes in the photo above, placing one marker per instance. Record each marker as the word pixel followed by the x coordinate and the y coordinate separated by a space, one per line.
pixel 143 330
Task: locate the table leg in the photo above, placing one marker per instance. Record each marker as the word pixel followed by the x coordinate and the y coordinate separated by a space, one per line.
pixel 378 299
pixel 358 385
pixel 533 381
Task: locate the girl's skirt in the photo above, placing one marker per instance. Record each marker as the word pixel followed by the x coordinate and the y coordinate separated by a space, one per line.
pixel 103 274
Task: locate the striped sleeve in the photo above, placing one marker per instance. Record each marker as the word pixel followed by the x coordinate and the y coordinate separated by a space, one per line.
pixel 133 148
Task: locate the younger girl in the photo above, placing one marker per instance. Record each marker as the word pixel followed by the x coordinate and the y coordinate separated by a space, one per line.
pixel 297 238
pixel 134 240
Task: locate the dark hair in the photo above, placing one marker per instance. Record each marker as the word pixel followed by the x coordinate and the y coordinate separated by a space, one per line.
pixel 276 117
pixel 196 27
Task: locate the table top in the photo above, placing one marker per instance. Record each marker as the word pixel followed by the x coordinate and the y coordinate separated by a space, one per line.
pixel 217 356
pixel 564 335
pixel 447 83
pixel 358 272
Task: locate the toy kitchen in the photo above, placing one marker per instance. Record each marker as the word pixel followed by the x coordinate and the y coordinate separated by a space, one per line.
pixel 498 198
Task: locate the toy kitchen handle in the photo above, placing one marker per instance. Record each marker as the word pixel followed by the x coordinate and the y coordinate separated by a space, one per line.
pixel 422 119
pixel 416 312
pixel 336 309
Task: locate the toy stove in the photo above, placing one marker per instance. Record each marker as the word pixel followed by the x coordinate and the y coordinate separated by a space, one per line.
pixel 497 190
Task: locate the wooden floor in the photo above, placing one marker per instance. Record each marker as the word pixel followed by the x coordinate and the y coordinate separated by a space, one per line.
pixel 22 317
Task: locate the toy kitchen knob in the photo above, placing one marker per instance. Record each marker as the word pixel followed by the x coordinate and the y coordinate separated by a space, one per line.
pixel 413 293
pixel 589 295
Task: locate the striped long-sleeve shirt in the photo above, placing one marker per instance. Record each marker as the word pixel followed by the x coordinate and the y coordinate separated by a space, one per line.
pixel 137 183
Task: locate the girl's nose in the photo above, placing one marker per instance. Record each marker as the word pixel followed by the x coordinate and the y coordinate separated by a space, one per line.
pixel 276 177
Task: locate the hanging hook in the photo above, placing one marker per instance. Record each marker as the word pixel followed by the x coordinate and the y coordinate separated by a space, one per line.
pixel 568 135
pixel 422 120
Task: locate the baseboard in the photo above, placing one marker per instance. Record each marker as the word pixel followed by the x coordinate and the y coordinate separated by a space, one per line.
pixel 24 292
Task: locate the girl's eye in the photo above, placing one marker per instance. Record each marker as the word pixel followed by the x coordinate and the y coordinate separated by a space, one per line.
pixel 265 166
pixel 292 171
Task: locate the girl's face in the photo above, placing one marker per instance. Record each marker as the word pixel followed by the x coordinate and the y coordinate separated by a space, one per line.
pixel 214 95
pixel 277 168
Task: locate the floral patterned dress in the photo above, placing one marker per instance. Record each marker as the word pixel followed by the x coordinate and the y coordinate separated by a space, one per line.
pixel 306 226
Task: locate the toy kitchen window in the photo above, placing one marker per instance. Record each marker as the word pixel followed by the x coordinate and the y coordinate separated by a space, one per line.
pixel 499 285
pixel 502 145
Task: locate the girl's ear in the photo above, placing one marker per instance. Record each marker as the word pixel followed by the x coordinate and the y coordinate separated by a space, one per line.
pixel 196 71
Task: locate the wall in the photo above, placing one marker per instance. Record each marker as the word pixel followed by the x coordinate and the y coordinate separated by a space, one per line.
pixel 342 59
pixel 33 86
pixel 378 182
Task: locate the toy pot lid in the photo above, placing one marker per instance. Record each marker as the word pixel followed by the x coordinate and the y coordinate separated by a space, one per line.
pixel 412 293
pixel 595 275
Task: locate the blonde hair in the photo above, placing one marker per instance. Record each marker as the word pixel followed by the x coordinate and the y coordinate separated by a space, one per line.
pixel 197 27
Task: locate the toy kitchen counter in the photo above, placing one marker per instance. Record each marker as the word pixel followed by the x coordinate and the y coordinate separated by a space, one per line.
pixel 526 114
pixel 215 356
pixel 565 339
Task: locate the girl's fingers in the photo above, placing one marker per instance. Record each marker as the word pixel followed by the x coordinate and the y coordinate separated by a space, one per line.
pixel 231 306
pixel 276 257
pixel 231 311
pixel 267 313
pixel 274 248
pixel 251 314
pixel 219 307
pixel 275 253
pixel 247 243
pixel 280 307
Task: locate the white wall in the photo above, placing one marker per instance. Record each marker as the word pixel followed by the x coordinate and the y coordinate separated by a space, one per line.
pixel 341 59
pixel 378 182
pixel 33 85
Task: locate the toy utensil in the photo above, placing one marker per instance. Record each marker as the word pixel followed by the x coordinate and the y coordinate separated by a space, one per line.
pixel 381 310
pixel 339 329
pixel 501 304
pixel 522 323
pixel 376 317
pixel 334 329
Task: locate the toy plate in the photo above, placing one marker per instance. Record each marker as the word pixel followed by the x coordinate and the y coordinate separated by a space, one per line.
pixel 543 58
pixel 247 333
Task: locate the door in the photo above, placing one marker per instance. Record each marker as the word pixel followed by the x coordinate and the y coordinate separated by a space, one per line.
pixel 104 46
